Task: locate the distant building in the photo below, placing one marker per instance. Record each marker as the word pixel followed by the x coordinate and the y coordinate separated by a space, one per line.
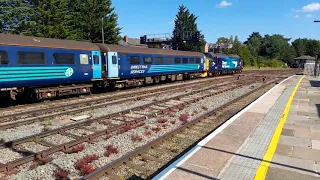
pixel 134 42
pixel 300 61
pixel 217 48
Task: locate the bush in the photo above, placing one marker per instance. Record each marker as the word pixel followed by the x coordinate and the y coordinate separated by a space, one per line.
pixel 61 174
pixel 136 138
pixel 110 149
pixel 162 120
pixel 87 169
pixel 126 128
pixel 184 118
pixel 78 148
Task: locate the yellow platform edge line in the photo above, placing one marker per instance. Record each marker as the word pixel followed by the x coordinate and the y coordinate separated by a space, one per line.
pixel 265 163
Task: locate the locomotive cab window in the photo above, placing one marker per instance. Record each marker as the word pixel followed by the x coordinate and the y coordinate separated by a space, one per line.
pixel 159 60
pixel 84 59
pixel 191 60
pixel 95 59
pixel 169 60
pixel 198 61
pixel 61 58
pixel 134 60
pixel 185 60
pixel 147 60
pixel 114 60
pixel 219 62
pixel 4 57
pixel 31 58
pixel 177 60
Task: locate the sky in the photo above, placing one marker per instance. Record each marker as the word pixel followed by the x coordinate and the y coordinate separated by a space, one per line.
pixel 217 18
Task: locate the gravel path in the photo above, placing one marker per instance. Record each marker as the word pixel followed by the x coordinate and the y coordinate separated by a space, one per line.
pixel 124 143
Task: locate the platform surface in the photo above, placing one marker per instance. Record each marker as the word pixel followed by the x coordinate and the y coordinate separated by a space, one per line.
pixel 264 141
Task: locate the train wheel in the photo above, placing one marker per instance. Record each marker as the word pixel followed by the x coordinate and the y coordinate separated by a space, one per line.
pixel 156 79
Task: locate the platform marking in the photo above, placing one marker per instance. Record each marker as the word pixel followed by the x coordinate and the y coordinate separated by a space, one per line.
pixel 172 167
pixel 264 165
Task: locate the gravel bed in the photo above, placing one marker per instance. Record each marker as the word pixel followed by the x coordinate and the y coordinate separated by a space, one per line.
pixel 58 139
pixel 31 146
pixel 124 143
pixel 6 155
pixel 79 132
pixel 97 126
pixel 20 132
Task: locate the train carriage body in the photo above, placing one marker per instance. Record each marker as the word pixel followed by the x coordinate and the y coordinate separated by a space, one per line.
pixel 124 63
pixel 29 62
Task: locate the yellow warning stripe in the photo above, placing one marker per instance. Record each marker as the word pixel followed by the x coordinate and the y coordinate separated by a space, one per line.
pixel 264 165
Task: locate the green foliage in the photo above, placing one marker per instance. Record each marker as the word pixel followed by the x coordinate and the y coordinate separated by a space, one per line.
pixel 62 19
pixel 14 14
pixel 186 21
pixel 87 21
pixel 50 19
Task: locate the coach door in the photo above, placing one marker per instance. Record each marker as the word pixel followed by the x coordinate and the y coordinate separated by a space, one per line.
pixel 96 65
pixel 113 70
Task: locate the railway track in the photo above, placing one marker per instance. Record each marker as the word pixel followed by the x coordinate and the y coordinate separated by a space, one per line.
pixel 147 161
pixel 52 111
pixel 47 117
pixel 89 130
pixel 124 92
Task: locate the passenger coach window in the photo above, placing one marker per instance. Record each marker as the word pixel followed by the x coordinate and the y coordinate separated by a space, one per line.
pixel 84 59
pixel 114 59
pixel 60 58
pixel 169 61
pixel 134 59
pixel 177 60
pixel 191 60
pixel 31 58
pixel 147 60
pixel 95 59
pixel 185 60
pixel 198 61
pixel 159 60
pixel 4 57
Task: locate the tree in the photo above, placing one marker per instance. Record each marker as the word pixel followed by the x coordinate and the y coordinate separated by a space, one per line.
pixel 186 22
pixel 236 46
pixel 300 46
pixel 231 39
pixel 255 40
pixel 87 21
pixel 223 40
pixel 50 19
pixel 313 47
pixel 14 14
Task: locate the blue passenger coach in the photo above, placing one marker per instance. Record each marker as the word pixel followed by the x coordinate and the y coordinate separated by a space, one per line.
pixel 40 65
pixel 137 66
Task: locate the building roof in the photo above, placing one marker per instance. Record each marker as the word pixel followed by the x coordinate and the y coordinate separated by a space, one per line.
pixel 18 40
pixel 138 50
pixel 126 41
pixel 305 58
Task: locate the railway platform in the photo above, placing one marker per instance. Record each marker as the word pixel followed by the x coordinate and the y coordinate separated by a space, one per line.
pixel 277 137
